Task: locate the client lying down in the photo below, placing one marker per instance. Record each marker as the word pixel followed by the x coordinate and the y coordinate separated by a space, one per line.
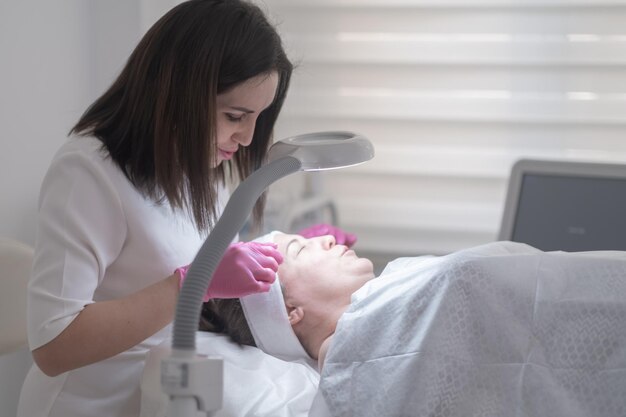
pixel 498 330
pixel 316 280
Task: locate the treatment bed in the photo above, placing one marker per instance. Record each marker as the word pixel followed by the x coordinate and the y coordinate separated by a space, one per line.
pixel 498 330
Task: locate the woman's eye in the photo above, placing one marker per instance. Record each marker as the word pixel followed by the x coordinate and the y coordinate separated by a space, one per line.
pixel 234 118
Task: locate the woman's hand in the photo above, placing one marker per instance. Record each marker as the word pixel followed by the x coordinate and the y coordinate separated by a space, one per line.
pixel 246 268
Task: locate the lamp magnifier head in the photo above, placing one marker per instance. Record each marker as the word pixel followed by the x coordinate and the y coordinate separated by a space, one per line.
pixel 324 150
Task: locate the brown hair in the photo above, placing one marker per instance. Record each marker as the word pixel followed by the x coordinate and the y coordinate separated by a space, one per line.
pixel 226 316
pixel 157 120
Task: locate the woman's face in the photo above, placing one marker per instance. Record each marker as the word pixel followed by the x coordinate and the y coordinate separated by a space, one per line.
pixel 320 275
pixel 238 110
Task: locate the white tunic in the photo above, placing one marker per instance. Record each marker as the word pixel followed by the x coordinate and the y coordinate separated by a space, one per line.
pixel 98 239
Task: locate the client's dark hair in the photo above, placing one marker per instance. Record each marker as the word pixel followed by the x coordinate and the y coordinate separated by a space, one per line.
pixel 226 316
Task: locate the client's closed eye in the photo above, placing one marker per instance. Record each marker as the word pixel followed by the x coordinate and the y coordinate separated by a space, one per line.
pixel 294 247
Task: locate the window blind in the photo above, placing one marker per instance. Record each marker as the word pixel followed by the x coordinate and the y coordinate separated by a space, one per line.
pixel 451 93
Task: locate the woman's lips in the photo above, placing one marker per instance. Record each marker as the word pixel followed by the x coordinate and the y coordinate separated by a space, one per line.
pixel 226 155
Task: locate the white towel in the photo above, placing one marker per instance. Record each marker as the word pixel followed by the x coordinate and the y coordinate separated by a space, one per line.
pixel 267 317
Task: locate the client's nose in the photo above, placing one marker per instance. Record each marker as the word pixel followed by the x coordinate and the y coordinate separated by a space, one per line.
pixel 328 241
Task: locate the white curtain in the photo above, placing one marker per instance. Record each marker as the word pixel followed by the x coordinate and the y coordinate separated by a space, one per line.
pixel 451 93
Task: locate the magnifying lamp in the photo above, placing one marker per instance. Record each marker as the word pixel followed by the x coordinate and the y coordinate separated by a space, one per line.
pixel 194 383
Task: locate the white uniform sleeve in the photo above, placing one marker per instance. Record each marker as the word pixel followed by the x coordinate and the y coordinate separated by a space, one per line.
pixel 81 230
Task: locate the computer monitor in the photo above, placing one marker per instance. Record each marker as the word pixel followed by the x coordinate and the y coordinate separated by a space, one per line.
pixel 563 205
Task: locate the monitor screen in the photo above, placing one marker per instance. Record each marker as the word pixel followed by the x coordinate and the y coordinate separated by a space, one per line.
pixel 571 213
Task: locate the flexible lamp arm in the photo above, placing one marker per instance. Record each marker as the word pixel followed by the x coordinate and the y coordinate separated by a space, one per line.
pixel 194 383
pixel 201 271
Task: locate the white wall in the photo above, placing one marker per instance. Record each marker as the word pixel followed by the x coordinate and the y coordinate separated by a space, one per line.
pixel 46 80
pixel 55 58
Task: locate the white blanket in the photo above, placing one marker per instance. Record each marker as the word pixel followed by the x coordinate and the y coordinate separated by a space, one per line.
pixel 255 384
pixel 499 330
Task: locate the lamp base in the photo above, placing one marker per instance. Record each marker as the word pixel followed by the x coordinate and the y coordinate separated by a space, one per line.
pixel 193 383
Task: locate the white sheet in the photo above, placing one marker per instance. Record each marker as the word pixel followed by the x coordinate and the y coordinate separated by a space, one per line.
pixel 255 384
pixel 499 330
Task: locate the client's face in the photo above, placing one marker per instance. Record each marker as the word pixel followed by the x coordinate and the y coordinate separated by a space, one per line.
pixel 319 274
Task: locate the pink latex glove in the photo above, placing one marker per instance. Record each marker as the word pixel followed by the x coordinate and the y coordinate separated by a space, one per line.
pixel 322 229
pixel 246 268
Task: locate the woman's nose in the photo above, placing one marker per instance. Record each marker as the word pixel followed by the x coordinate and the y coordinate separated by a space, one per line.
pixel 243 139
pixel 244 136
